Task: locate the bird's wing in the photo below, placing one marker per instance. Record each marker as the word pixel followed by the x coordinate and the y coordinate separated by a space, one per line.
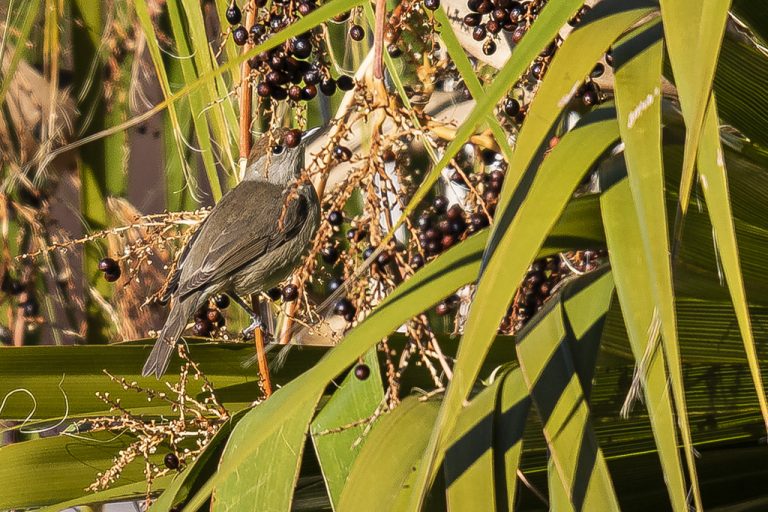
pixel 173 282
pixel 240 229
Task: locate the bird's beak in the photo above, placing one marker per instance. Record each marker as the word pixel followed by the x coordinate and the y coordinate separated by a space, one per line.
pixel 311 135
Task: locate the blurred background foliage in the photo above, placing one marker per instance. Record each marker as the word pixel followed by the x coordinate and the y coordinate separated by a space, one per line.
pixel 572 317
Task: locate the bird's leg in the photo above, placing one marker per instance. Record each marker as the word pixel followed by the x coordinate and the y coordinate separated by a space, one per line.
pixel 258 337
pixel 255 317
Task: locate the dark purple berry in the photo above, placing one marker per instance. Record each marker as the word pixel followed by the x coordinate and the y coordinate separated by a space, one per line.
pixel 108 265
pixel 516 11
pixel 489 48
pixel 394 51
pixel 342 153
pixel 424 222
pixel 335 218
pixel 294 92
pixel 432 5
pixel 171 461
pixel 301 47
pixel 537 70
pixel 221 301
pixel 479 33
pixel 312 76
pixel 275 293
pixel 472 19
pixel 290 292
pixel 328 86
pixel 383 258
pixel 345 83
pixel 215 317
pixel 240 36
pixel 305 8
pixel 343 307
pixel 590 98
pixel 201 328
pixel 442 308
pixel 330 254
pixel 263 89
pixel 257 30
pixel 362 371
pixel 485 7
pixel 356 32
pixel 440 204
pixel 478 221
pixel 292 138
pixel 233 14
pixel 112 276
pixel 279 93
pixel 455 213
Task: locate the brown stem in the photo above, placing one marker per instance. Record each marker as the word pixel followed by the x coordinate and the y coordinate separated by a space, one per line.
pixel 261 355
pixel 246 92
pixel 378 39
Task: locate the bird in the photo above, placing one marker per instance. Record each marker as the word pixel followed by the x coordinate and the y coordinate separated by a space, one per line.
pixel 242 247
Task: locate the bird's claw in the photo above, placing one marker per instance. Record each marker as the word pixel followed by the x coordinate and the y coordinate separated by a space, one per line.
pixel 251 329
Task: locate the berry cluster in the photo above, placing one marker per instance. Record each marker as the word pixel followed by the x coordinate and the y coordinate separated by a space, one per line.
pixel 409 32
pixel 209 319
pixel 541 282
pixel 589 91
pixel 295 70
pixel 489 17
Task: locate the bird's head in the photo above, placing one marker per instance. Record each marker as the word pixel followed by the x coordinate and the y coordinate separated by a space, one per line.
pixel 273 160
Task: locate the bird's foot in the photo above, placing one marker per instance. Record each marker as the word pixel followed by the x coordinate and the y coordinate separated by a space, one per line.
pixel 251 329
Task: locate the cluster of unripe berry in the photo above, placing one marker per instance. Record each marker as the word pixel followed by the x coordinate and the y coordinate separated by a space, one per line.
pixel 287 71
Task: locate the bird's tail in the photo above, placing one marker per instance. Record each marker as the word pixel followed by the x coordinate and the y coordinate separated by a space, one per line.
pixel 158 359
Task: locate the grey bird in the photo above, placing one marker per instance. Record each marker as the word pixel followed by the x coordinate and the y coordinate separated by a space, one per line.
pixel 241 248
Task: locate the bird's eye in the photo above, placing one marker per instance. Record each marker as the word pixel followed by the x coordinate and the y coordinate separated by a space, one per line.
pixel 277 149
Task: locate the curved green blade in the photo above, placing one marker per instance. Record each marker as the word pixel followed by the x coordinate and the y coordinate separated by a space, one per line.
pixel 337 429
pixel 557 351
pixel 714 183
pixel 638 101
pixel 692 32
pixel 633 286
pixel 393 448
